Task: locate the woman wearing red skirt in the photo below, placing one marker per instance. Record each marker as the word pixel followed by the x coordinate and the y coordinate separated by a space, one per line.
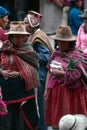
pixel 65 91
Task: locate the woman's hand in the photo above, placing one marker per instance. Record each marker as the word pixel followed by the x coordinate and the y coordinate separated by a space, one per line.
pixel 9 74
pixel 14 74
pixel 5 73
pixel 45 94
pixel 57 72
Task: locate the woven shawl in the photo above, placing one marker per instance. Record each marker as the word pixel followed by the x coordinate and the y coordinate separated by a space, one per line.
pixel 41 37
pixel 28 72
pixel 27 63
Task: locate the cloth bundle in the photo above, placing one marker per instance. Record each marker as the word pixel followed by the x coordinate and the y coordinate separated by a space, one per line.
pixel 56 65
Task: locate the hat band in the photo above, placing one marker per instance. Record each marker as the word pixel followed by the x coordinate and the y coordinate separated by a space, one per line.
pixel 18 30
pixel 73 125
pixel 63 36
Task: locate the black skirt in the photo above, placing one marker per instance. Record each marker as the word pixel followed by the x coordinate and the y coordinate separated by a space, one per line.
pixel 19 117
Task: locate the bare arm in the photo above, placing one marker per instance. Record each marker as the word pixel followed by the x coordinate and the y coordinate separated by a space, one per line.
pixel 47 78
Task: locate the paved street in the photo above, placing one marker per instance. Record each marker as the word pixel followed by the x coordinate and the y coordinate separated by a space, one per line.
pixel 49 128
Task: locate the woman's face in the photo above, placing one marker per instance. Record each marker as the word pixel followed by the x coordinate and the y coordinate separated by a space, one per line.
pixel 63 45
pixel 79 3
pixel 17 40
pixel 85 22
pixel 85 25
pixel 28 28
pixel 4 21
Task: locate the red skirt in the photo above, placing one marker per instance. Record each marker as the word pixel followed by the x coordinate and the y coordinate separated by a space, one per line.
pixel 63 100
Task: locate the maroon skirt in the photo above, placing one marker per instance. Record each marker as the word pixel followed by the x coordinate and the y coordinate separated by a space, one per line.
pixel 63 100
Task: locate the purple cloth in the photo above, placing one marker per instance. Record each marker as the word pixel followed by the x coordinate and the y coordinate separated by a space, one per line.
pixel 60 3
pixel 71 77
pixel 3 36
pixel 81 42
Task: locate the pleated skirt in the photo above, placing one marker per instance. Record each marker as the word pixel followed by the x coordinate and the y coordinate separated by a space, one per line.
pixel 63 100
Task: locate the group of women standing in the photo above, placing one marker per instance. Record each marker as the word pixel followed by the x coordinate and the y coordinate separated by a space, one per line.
pixel 59 74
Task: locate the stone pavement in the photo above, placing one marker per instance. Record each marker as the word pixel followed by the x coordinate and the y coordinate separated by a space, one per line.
pixel 50 128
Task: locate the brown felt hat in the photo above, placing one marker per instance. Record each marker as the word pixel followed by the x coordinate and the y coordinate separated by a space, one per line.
pixel 17 27
pixel 63 33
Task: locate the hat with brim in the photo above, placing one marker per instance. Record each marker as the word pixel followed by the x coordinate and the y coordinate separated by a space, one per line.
pixel 35 18
pixel 73 122
pixel 84 15
pixel 63 33
pixel 17 27
pixel 34 13
pixel 33 21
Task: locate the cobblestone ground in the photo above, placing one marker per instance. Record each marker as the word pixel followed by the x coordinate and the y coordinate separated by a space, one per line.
pixel 50 128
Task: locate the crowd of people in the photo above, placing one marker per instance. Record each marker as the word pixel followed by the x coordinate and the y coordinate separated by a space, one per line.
pixel 42 86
